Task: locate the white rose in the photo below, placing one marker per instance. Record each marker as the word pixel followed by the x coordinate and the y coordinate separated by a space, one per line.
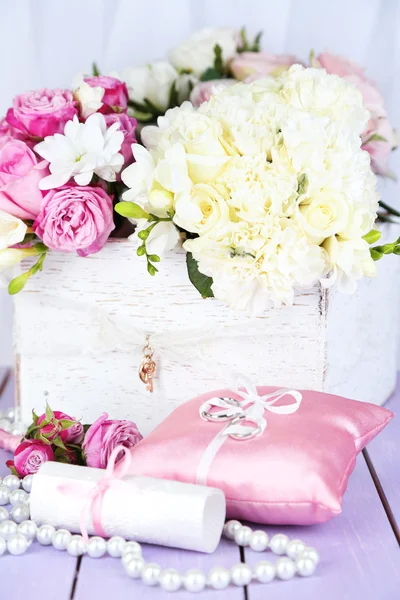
pixel 90 98
pixel 324 214
pixel 350 260
pixel 196 54
pixel 12 230
pixel 202 209
pixel 151 82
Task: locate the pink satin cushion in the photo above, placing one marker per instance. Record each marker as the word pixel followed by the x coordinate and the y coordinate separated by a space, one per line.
pixel 296 472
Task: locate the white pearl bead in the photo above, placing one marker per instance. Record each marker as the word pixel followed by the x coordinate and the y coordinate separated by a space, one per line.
pixel 76 545
pixel 20 512
pixel 230 529
pixel 115 546
pixel 194 580
pixel 305 566
pixel 134 567
pixel 243 535
pixel 10 414
pixel 4 515
pixel 170 580
pixel 312 553
pixel 8 529
pixel 60 539
pixel 219 578
pixel 17 497
pixel 17 544
pixel 278 543
pixel 96 547
pixel 44 534
pixel 258 541
pixel 27 483
pixel 12 482
pixel 28 529
pixel 295 548
pixel 241 574
pixel 264 571
pixel 4 495
pixel 151 573
pixel 285 568
pixel 133 547
pixel 3 546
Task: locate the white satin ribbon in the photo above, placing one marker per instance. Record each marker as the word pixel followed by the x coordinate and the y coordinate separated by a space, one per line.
pixel 245 417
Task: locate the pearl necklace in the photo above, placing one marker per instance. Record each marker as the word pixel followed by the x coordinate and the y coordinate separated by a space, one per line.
pixel 17 532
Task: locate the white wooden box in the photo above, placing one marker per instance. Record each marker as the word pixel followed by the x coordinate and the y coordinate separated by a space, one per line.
pixel 80 326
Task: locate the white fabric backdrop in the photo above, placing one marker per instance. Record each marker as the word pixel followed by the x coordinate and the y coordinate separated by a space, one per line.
pixel 47 42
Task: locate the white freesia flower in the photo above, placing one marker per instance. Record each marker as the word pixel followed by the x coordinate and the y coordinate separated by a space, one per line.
pixel 151 82
pixel 196 54
pixel 12 230
pixel 84 149
pixel 271 178
pixel 89 98
pixel 163 237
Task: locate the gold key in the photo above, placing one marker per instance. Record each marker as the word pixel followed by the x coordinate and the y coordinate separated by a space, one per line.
pixel 147 367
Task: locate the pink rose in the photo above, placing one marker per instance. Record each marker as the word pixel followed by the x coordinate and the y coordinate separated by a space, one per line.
pixel 20 173
pixel 30 455
pixel 115 97
pixel 203 91
pixel 378 125
pixel 42 112
pixel 103 436
pixel 72 435
pixel 261 64
pixel 9 133
pixel 75 218
pixel 128 127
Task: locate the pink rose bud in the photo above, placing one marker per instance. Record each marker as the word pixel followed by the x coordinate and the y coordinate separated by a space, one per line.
pixel 76 218
pixel 203 91
pixel 20 173
pixel 261 64
pixel 72 435
pixel 104 435
pixel 128 127
pixel 115 97
pixel 30 455
pixel 42 112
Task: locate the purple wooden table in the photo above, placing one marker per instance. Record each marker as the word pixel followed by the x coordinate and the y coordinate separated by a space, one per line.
pixel 360 554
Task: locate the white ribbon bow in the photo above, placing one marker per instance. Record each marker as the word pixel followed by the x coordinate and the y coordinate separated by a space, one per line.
pixel 245 417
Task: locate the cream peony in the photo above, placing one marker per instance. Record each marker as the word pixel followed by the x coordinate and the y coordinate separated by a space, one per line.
pixel 270 184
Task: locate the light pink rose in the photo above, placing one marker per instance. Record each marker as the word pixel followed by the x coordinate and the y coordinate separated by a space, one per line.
pixel 203 91
pixel 20 173
pixel 75 218
pixel 9 133
pixel 378 124
pixel 128 127
pixel 72 435
pixel 261 64
pixel 115 97
pixel 104 435
pixel 42 112
pixel 30 455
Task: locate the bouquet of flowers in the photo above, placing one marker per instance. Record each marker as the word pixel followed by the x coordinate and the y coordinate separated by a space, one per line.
pixel 55 436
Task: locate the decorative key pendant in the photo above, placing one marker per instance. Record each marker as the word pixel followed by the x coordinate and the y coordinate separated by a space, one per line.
pixel 147 367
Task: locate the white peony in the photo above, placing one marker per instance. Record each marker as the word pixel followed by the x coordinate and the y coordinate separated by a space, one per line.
pixel 270 183
pixel 12 230
pixel 151 82
pixel 196 54
pixel 84 149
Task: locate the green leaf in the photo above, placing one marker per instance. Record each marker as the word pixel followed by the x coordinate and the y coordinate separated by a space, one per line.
pixel 59 443
pixel 302 182
pixel 210 74
pixel 387 248
pixel 95 70
pixel 173 96
pixel 245 43
pixel 18 283
pixel 256 46
pixel 375 254
pixel 218 62
pixel 31 431
pixel 201 282
pixel 131 210
pixel 372 236
pixel 49 412
pixel 141 251
pixel 66 423
pixel 35 417
pixel 397 250
pixel 375 137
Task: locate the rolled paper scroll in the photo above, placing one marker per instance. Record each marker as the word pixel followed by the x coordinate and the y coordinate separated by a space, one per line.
pixel 145 509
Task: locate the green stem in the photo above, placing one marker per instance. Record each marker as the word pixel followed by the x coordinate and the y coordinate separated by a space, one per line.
pixel 389 209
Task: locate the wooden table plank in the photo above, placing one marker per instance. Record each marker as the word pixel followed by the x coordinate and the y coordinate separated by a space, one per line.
pixel 384 452
pixel 42 573
pixel 107 579
pixel 360 557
